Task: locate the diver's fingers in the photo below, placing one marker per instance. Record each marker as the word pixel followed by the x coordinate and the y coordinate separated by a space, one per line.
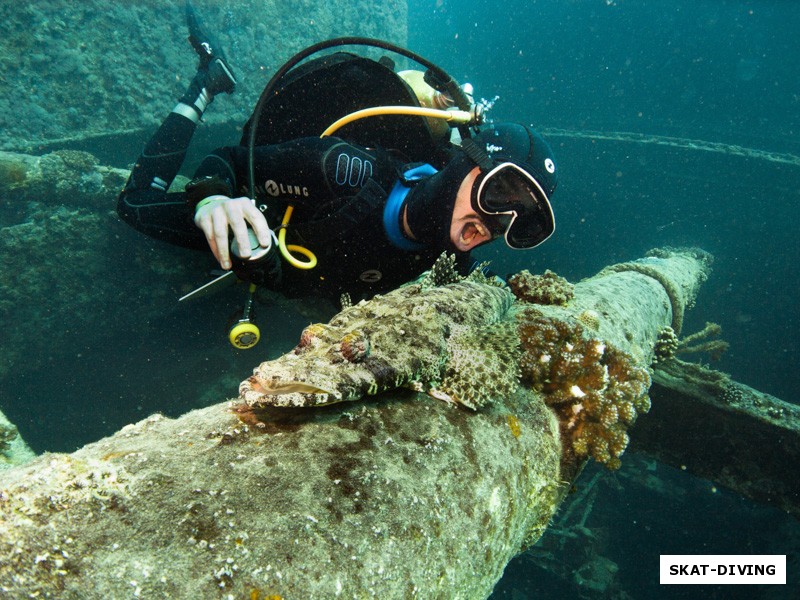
pixel 212 243
pixel 210 217
pixel 219 221
pixel 218 214
pixel 236 220
pixel 259 224
pixel 206 226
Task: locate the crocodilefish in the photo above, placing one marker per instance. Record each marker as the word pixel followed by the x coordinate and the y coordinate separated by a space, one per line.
pixel 453 337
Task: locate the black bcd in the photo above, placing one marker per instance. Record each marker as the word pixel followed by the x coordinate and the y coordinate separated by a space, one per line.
pixel 312 96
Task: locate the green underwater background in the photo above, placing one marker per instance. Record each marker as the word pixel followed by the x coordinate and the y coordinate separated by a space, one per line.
pixel 674 123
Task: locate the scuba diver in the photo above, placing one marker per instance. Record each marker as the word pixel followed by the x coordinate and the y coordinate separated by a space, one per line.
pixel 370 211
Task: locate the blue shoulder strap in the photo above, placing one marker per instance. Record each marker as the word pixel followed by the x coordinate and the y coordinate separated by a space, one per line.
pixel 391 214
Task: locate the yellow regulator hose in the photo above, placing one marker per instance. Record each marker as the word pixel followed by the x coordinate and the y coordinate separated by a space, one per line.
pixel 287 250
pixel 456 116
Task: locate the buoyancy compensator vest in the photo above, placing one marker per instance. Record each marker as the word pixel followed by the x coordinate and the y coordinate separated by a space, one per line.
pixel 319 92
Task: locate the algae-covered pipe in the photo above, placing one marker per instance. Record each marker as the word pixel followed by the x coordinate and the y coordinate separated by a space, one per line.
pixel 69 177
pixel 393 495
pixel 13 449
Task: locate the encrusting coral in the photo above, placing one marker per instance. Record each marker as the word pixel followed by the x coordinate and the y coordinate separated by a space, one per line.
pixel 668 345
pixel 590 318
pixel 596 390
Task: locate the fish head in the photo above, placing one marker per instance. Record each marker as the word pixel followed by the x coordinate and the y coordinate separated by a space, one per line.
pixel 328 365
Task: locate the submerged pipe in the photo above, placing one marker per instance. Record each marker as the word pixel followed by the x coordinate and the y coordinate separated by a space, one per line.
pixel 392 495
pixel 68 177
pixel 13 449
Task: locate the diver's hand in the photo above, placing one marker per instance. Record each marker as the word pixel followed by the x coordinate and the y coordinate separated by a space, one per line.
pixel 216 214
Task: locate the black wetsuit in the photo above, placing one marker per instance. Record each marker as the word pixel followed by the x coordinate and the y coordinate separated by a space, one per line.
pixel 339 191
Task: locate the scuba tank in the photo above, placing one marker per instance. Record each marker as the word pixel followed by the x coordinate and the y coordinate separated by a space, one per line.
pixel 430 97
pixel 304 99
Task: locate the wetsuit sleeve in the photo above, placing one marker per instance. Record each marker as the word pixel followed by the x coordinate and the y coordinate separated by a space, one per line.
pixel 161 216
pixel 306 172
pixel 313 174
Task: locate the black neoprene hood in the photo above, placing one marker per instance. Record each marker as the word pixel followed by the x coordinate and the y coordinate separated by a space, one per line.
pixel 430 203
pixel 521 145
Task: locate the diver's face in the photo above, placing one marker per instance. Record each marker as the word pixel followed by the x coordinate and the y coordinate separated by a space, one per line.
pixel 467 229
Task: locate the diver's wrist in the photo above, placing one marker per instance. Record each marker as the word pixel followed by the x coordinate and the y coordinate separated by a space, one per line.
pixel 208 200
pixel 204 187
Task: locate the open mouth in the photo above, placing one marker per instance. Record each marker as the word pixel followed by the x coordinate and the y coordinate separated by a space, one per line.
pixel 472 233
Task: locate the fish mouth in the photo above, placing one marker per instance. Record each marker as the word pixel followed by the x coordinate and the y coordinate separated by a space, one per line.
pixel 291 387
pixel 284 393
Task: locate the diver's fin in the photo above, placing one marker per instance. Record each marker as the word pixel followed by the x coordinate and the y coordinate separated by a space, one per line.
pixel 206 48
pixel 220 77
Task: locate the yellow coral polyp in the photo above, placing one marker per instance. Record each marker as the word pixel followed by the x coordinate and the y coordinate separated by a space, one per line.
pixel 514 425
pixel 609 416
pixel 642 404
pixel 627 412
pixel 600 451
pixel 618 440
pixel 580 446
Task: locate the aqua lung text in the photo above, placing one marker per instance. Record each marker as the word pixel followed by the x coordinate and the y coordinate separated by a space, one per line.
pixel 275 189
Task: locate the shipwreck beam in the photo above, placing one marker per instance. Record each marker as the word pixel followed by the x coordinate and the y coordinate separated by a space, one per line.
pixel 396 495
pixel 68 177
pixel 723 431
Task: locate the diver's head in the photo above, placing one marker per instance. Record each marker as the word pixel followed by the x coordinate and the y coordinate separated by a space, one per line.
pixel 517 176
pixel 498 183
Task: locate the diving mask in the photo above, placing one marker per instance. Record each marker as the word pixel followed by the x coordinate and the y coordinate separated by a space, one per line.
pixel 515 205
